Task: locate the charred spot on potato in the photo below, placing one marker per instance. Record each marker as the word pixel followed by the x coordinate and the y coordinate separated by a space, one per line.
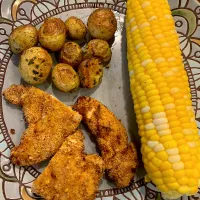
pixel 35 79
pixel 35 72
pixel 41 75
pixel 31 61
pixel 95 82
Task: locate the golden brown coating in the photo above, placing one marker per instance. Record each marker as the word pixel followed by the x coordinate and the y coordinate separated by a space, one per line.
pixel 71 54
pixel 35 65
pixel 22 38
pixel 70 174
pixel 98 48
pixel 90 72
pixel 102 24
pixel 49 123
pixel 65 78
pixel 52 34
pixel 76 29
pixel 120 157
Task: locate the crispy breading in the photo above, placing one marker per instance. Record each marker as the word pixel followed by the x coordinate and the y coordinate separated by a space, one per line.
pixel 120 157
pixel 71 174
pixel 49 123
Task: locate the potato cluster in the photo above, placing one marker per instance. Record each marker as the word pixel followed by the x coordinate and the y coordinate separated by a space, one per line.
pixel 76 65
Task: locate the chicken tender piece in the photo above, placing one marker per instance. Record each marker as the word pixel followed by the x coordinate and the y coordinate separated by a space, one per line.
pixel 71 174
pixel 49 123
pixel 120 157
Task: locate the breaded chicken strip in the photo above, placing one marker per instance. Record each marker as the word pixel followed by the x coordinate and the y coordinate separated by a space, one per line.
pixel 70 175
pixel 49 123
pixel 120 157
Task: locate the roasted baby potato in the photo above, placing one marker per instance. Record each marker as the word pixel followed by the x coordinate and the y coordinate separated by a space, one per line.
pixel 98 48
pixel 102 24
pixel 90 72
pixel 35 65
pixel 71 54
pixel 76 29
pixel 52 34
pixel 22 38
pixel 65 77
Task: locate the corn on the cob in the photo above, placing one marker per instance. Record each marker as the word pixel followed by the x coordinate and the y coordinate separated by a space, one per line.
pixel 162 100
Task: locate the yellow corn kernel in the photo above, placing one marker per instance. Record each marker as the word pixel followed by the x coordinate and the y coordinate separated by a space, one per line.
pixel 174 124
pixel 172 118
pixel 168 173
pixel 166 165
pixel 195 173
pixel 170 144
pixel 183 181
pixel 153 98
pixel 192 182
pixel 157 162
pixel 183 189
pixel 163 188
pixel 189 173
pixel 151 155
pixel 169 180
pixel 146 148
pixel 173 186
pixel 149 133
pixel 151 167
pixel 179 174
pixel 158 181
pixel 188 164
pixel 154 138
pixel 147 115
pixel 181 142
pixel 156 174
pixel 189 138
pixel 162 155
pixel 193 190
pixel 185 157
pixel 184 148
pixel 170 112
pixel 157 109
pixel 166 138
pixel 178 135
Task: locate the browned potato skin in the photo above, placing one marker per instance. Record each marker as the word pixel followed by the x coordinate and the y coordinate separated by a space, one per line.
pixel 52 34
pixel 102 24
pixel 22 38
pixel 76 29
pixel 35 65
pixel 71 54
pixel 90 72
pixel 98 48
pixel 65 78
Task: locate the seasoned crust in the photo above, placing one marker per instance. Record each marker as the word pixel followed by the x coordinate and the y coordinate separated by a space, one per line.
pixel 120 157
pixel 71 174
pixel 49 123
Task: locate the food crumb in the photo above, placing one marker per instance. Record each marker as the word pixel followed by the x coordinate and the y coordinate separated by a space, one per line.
pixel 12 131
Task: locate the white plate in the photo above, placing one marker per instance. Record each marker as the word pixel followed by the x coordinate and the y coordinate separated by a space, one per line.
pixel 113 91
